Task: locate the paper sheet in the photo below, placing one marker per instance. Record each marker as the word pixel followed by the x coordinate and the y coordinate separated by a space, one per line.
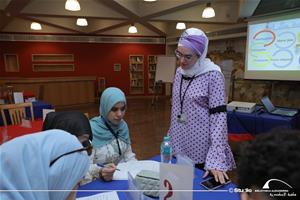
pixel 18 97
pixel 101 196
pixel 134 167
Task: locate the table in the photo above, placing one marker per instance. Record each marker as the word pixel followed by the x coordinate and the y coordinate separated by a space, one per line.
pixel 38 107
pixel 13 131
pixel 258 122
pixel 225 192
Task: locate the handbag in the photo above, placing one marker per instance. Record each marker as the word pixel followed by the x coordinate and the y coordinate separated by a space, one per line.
pixel 148 181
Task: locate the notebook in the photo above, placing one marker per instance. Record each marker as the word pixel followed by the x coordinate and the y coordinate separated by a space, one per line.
pixel 277 111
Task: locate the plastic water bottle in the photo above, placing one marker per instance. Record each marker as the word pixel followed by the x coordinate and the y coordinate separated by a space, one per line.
pixel 166 150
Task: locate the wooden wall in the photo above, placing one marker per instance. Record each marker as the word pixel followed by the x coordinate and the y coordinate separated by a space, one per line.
pixel 57 91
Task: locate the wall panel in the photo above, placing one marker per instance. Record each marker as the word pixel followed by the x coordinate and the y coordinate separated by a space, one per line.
pixel 57 91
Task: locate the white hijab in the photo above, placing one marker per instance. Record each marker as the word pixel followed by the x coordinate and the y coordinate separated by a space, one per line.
pixel 203 64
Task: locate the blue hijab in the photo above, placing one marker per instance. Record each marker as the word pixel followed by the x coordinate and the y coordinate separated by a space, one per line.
pixel 101 134
pixel 25 166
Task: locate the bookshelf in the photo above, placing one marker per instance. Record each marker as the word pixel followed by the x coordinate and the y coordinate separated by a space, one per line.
pixel 152 61
pixel 53 62
pixel 136 71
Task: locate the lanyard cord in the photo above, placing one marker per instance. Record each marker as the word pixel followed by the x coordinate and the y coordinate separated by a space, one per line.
pixel 182 99
pixel 115 135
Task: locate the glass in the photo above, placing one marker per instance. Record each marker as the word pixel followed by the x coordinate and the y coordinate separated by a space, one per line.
pixel 187 57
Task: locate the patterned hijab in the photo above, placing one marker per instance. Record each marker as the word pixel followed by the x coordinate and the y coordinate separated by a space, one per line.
pixel 25 165
pixel 196 40
pixel 101 134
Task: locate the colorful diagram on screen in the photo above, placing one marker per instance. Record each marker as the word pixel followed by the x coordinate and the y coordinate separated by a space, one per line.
pixel 274 45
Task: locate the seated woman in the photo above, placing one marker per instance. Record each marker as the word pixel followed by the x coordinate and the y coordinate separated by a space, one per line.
pixel 111 139
pixel 50 161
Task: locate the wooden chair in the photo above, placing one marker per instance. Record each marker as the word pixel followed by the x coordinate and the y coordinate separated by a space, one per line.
pixel 16 112
pixel 87 115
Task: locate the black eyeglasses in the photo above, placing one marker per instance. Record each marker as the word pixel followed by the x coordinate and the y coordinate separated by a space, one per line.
pixel 87 147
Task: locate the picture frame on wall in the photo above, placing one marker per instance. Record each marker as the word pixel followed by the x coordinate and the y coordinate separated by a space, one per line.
pixel 117 67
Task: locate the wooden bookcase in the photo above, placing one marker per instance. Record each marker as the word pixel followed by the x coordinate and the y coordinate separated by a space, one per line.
pixel 136 71
pixel 152 61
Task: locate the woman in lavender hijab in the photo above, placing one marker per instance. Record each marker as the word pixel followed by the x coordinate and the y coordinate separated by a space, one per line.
pixel 198 126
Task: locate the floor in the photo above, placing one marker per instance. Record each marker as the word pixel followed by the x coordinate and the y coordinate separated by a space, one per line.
pixel 148 122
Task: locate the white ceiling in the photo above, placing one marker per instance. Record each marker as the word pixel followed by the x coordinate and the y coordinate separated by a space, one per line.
pixel 113 17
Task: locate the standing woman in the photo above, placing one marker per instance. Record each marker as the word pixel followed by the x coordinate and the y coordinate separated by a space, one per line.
pixel 38 165
pixel 198 119
pixel 111 140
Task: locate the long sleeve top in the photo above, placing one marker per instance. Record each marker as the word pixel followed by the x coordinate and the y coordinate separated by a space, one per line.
pixel 108 153
pixel 203 137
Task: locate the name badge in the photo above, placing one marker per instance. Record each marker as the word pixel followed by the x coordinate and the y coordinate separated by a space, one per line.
pixel 181 118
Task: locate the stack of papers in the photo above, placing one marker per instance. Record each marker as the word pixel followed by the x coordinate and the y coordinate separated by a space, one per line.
pixel 134 167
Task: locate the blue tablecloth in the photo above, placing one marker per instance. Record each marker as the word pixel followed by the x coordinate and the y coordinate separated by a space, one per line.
pixel 38 107
pixel 223 193
pixel 259 122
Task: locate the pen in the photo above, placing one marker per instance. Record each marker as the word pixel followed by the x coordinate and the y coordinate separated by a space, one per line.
pixel 101 165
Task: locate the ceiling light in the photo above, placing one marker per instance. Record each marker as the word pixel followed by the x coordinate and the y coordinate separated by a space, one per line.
pixel 208 12
pixel 132 29
pixel 180 26
pixel 149 0
pixel 81 22
pixel 72 5
pixel 35 26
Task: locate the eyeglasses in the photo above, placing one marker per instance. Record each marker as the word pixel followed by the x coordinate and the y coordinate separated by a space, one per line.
pixel 87 146
pixel 187 57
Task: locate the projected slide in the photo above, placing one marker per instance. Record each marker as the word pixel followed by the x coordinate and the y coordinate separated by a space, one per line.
pixel 274 46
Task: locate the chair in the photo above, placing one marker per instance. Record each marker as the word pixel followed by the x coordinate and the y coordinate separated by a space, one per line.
pixel 16 112
pixel 87 115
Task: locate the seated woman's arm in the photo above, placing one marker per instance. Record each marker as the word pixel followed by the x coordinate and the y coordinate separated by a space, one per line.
pixel 129 155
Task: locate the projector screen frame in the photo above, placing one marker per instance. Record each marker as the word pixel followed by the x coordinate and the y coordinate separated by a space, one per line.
pixel 287 75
